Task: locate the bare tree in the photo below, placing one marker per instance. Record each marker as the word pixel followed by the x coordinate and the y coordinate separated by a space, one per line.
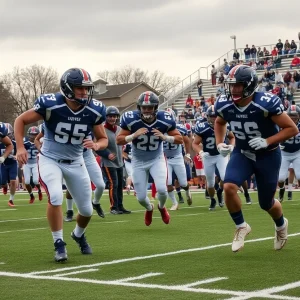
pixel 7 105
pixel 128 74
pixel 26 85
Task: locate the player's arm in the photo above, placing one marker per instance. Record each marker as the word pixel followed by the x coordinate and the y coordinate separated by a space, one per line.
pixel 125 135
pixel 101 140
pixel 173 136
pixel 231 138
pixel 288 129
pixel 197 144
pixel 8 148
pixel 28 117
pixel 37 141
pixel 187 145
pixel 220 130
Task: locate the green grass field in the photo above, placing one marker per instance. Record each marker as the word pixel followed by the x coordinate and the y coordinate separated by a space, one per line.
pixel 190 258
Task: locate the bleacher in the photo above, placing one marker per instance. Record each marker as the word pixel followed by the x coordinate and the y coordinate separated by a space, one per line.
pixel 208 89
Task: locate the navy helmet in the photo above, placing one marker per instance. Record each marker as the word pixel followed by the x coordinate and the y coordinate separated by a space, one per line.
pixel 112 110
pixel 148 99
pixel 211 116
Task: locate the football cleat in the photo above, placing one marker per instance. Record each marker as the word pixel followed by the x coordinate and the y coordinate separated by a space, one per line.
pixel 164 214
pixel 85 248
pixel 281 194
pixel 31 199
pixel 189 199
pixel 181 200
pixel 174 207
pixel 116 212
pixel 281 236
pixel 239 237
pixel 40 196
pixel 206 194
pixel 148 216
pixel 248 200
pixel 60 251
pixel 124 211
pixel 220 198
pixel 69 216
pixel 4 190
pixel 290 195
pixel 99 210
pixel 11 203
pixel 213 203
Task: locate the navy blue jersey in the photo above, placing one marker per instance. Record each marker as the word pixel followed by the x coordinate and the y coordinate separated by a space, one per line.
pixel 3 130
pixel 148 146
pixel 11 157
pixel 32 152
pixel 207 134
pixel 293 144
pixel 251 121
pixel 128 149
pixel 173 150
pixel 64 129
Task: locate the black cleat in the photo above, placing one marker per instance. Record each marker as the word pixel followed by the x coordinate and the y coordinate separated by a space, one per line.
pixel 69 216
pixel 213 203
pixel 116 212
pixel 99 210
pixel 181 200
pixel 220 198
pixel 124 211
pixel 248 199
pixel 85 248
pixel 290 195
pixel 281 194
pixel 60 251
pixel 206 195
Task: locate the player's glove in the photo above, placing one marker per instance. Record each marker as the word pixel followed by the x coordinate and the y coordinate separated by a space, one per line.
pixel 258 143
pixel 188 156
pixel 2 159
pixel 224 149
pixel 203 154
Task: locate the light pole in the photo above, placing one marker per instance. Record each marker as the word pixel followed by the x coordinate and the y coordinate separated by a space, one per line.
pixel 234 39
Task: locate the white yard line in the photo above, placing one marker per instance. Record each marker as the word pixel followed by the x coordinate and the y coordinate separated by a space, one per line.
pixel 138 258
pixel 8 209
pixel 21 230
pixel 78 272
pixel 209 280
pixel 147 275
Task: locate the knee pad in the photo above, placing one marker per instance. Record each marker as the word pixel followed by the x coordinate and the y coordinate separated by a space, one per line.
pixel 266 205
pixel 85 210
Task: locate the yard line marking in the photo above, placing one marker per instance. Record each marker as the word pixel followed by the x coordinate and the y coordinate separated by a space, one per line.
pixel 137 258
pixel 77 272
pixel 147 275
pixel 20 230
pixel 6 209
pixel 209 280
pixel 2 263
pixel 17 220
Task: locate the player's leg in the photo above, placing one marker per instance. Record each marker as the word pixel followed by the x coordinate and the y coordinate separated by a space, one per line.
pixel 239 168
pixel 4 182
pixel 120 176
pixel 69 204
pixel 35 179
pixel 51 178
pixel 96 177
pixel 27 175
pixel 266 172
pixel 291 179
pixel 283 174
pixel 209 163
pixel 220 172
pixel 79 184
pixel 170 186
pixel 12 175
pixel 128 167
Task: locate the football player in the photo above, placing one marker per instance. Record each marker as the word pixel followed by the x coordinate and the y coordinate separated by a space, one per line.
pixel 255 119
pixel 146 128
pixel 6 147
pixel 205 144
pixel 176 163
pixel 69 118
pixel 127 156
pixel 290 151
pixel 31 168
pixel 9 169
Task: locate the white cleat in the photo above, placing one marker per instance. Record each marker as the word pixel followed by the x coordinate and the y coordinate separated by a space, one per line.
pixel 189 199
pixel 174 207
pixel 239 238
pixel 281 236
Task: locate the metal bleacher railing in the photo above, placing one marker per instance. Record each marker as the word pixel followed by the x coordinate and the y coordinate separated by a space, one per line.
pixel 204 73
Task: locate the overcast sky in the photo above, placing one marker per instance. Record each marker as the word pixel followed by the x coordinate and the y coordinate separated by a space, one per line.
pixel 175 36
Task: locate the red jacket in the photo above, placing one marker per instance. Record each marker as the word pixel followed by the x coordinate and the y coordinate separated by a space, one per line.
pixel 295 61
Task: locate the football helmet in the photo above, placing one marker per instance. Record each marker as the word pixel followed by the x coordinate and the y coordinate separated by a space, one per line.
pixel 112 110
pixel 33 131
pixel 76 77
pixel 211 116
pixel 148 99
pixel 245 75
pixel 171 112
pixel 10 130
pixel 294 113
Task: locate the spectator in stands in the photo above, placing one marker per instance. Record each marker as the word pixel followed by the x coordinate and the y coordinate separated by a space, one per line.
pixel 269 86
pixel 295 62
pixel 203 105
pixel 221 78
pixel 296 77
pixel 190 114
pixel 294 84
pixel 183 115
pixel 287 47
pixel 279 47
pixel 189 103
pixel 253 52
pixel 269 76
pixel 277 62
pixel 197 113
pixel 196 104
pixel 282 92
pixel 287 77
pixel 293 47
pixel 236 56
pixel 211 101
pixel 247 52
pixel 226 69
pixel 261 88
pixel 213 73
pixel 199 86
pixel 278 76
pixel 253 64
pixel 270 64
pixel 289 93
pixel 174 109
pixel 221 89
pixel 232 64
pixel 274 53
pixel 266 52
pixel 276 89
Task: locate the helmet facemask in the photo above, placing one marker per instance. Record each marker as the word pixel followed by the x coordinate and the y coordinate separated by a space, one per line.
pixel 148 115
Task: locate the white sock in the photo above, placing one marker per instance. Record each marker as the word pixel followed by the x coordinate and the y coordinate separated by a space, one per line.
pixel 172 197
pixel 162 198
pixel 281 227
pixel 69 204
pixel 241 225
pixel 11 197
pixel 57 235
pixel 290 185
pixel 78 231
